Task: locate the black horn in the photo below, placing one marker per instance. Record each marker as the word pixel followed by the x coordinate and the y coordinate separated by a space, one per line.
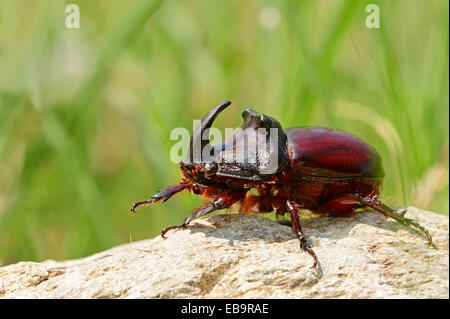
pixel 195 150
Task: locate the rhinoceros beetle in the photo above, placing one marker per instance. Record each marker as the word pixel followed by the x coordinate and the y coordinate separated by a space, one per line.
pixel 323 170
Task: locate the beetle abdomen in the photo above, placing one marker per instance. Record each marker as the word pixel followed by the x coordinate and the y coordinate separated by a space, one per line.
pixel 326 152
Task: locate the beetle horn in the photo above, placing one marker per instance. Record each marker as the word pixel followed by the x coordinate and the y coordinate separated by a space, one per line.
pixel 205 125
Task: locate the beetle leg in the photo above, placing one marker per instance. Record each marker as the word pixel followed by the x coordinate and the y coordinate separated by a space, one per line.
pixel 163 195
pixel 292 208
pixel 217 204
pixel 397 214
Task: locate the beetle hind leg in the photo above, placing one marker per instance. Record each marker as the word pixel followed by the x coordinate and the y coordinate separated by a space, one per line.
pixel 398 215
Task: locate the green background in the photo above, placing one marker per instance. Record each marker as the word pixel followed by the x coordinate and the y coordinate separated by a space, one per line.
pixel 86 114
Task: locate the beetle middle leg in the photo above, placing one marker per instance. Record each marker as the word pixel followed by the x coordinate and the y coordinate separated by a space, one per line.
pixel 397 214
pixel 219 203
pixel 292 209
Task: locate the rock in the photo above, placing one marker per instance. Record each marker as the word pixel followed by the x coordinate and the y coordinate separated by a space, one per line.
pixel 246 256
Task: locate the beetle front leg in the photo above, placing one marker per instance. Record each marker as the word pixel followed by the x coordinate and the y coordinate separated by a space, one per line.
pixel 292 209
pixel 163 195
pixel 397 214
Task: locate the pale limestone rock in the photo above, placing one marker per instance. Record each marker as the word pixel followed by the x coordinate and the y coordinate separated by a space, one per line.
pixel 245 256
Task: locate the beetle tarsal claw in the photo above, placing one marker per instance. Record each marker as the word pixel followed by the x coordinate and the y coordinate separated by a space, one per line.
pixel 401 212
pixel 165 230
pixel 307 247
pixel 152 200
pixel 412 224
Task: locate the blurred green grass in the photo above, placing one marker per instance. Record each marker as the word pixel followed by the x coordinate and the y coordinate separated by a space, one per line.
pixel 86 114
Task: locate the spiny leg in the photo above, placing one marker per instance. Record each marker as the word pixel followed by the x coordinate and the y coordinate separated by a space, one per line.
pixel 292 209
pixel 217 204
pixel 163 195
pixel 397 214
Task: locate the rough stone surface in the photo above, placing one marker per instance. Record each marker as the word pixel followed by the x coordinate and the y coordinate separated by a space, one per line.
pixel 245 256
